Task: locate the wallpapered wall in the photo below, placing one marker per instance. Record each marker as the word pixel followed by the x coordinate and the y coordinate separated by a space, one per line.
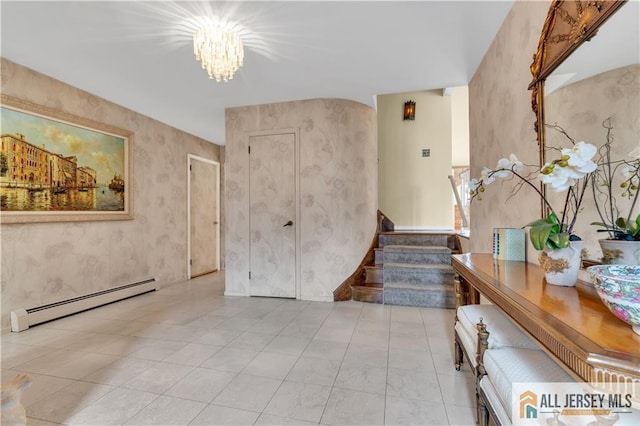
pixel 338 189
pixel 501 122
pixel 44 263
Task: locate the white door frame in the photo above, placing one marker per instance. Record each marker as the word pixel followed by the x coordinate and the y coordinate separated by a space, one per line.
pixel 296 132
pixel 190 158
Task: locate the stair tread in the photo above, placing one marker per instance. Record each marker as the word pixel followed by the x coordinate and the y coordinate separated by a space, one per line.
pixel 377 266
pixel 413 236
pixel 422 287
pixel 414 233
pixel 428 267
pixel 441 249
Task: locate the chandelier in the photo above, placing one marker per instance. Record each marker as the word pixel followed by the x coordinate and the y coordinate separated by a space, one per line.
pixel 220 50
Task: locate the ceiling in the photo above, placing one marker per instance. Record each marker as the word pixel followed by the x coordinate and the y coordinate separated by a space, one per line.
pixel 140 55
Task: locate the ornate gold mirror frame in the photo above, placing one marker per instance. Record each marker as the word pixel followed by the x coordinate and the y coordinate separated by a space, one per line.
pixel 567 26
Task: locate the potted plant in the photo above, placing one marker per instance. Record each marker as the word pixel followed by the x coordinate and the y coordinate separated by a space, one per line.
pixel 552 235
pixel 619 218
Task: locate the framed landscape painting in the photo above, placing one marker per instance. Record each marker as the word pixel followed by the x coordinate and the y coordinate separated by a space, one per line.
pixel 57 167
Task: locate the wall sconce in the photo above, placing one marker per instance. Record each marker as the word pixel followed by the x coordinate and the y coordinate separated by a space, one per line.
pixel 409 110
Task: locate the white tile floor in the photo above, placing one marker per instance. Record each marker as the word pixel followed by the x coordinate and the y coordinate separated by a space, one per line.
pixel 186 354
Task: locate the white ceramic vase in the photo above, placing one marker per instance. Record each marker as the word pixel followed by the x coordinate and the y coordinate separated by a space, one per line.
pixel 617 252
pixel 561 266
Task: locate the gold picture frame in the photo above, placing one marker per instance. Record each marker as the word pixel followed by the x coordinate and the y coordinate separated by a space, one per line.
pixel 569 23
pixel 59 167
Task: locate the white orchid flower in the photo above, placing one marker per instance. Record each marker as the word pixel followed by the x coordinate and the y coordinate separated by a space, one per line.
pixel 563 186
pixel 560 178
pixel 507 165
pixel 473 185
pixel 487 176
pixel 559 183
pixel 580 156
pixel 582 149
pixel 501 171
pixel 575 172
pixel 516 165
pixel 585 168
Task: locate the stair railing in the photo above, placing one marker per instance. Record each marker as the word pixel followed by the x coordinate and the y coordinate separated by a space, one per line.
pixel 463 215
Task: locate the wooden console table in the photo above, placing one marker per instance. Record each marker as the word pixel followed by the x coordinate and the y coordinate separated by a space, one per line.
pixel 571 323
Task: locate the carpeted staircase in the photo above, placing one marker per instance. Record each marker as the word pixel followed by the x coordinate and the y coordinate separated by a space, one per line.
pixel 411 269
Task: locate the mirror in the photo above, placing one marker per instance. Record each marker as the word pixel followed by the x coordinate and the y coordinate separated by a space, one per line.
pixel 579 87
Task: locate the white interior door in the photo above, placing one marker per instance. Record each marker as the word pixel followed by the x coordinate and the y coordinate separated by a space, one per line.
pixel 204 216
pixel 272 215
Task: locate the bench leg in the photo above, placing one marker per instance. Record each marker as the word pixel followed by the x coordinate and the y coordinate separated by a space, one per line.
pixel 457 353
pixel 482 412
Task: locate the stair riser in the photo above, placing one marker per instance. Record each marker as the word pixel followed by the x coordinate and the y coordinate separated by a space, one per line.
pixel 412 240
pixel 417 258
pixel 423 299
pixel 364 294
pixel 373 275
pixel 417 277
pixel 379 259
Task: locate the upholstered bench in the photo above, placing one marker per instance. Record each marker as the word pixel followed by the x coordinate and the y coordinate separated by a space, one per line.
pixel 479 327
pixel 506 366
pixel 502 332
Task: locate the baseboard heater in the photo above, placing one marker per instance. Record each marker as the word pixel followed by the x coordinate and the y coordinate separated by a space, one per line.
pixel 22 319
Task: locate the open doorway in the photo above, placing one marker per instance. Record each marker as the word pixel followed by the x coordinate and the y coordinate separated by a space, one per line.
pixel 203 216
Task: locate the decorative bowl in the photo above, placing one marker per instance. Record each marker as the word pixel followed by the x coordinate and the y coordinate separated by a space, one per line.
pixel 619 288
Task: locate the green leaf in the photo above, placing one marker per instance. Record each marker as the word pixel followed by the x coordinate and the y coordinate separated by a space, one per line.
pixel 540 233
pixel 559 240
pixel 547 232
pixel 621 223
pixel 552 242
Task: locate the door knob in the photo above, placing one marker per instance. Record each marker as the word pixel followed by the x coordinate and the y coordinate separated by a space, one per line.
pixel 290 223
